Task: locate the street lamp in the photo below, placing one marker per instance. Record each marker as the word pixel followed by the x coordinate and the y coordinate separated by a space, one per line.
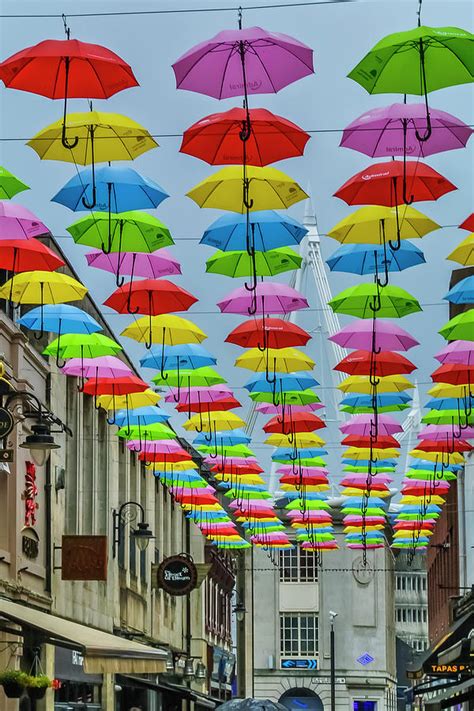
pixel 40 443
pixel 142 535
pixel 332 647
pixel 239 611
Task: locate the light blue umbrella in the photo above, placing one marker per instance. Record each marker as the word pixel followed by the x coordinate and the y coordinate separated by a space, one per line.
pixel 449 403
pixel 388 402
pixel 59 318
pixel 462 292
pixel 225 439
pixel 117 190
pixel 287 454
pixel 291 381
pixel 141 416
pixel 185 356
pixel 268 229
pixel 373 258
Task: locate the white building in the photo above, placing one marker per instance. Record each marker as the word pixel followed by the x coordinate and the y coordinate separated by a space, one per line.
pixel 411 602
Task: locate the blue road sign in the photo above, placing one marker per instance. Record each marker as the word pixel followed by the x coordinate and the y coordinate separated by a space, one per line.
pixel 365 659
pixel 299 663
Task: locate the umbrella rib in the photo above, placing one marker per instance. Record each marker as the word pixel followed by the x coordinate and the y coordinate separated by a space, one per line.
pixel 226 65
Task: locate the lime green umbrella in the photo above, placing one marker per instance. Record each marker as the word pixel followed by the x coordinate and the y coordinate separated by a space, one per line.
pixel 460 328
pixel 199 377
pixel 290 397
pixel 368 300
pixel 242 264
pixel 155 431
pixel 428 475
pixel 447 417
pixel 10 185
pixel 367 410
pixel 234 450
pixel 82 345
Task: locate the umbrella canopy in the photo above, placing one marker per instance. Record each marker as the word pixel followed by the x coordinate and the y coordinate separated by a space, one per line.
pixel 362 384
pixel 461 352
pixel 115 137
pixel 464 252
pixel 41 287
pixel 181 356
pixel 98 368
pixel 388 336
pixel 82 345
pixel 235 62
pixel 199 377
pixel 461 293
pixel 16 222
pixel 10 185
pixel 454 374
pixel 365 225
pixel 373 259
pixel 268 189
pixel 287 397
pixel 128 401
pixel 364 300
pixel 291 381
pixel 59 318
pixel 269 297
pixel 296 422
pixel 268 332
pixel 143 264
pixel 375 364
pixel 362 424
pixel 165 329
pixel 282 360
pixel 150 297
pixel 269 231
pixel 242 264
pixel 468 223
pixel 219 421
pixel 216 139
pixel 382 184
pixel 461 327
pixel 21 255
pixel 121 385
pixel 201 394
pixel 390 130
pixel 141 416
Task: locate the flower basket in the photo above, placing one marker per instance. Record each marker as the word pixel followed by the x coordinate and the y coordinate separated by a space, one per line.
pixel 12 689
pixel 14 682
pixel 37 686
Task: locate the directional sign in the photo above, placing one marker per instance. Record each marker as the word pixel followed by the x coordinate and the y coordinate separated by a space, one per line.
pixel 365 659
pixel 299 663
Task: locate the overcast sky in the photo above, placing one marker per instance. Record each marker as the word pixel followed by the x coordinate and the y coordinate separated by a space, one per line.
pixel 340 35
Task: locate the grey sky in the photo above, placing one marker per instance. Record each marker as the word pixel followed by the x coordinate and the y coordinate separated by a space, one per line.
pixel 340 35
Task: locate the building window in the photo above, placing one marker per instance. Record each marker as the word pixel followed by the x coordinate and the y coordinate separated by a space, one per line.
pixel 424 615
pixel 298 566
pixel 364 705
pixel 298 635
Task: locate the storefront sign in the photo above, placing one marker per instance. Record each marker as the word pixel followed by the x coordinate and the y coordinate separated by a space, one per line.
pixel 84 558
pixel 299 663
pixel 447 669
pixel 177 575
pixel 7 423
pixel 29 543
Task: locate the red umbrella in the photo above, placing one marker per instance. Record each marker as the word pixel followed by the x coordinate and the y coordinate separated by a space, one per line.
pixel 382 184
pixel 425 488
pixel 414 525
pixel 115 386
pixel 450 446
pixel 217 139
pixel 228 403
pixel 20 255
pixel 309 480
pixel 382 442
pixel 296 422
pixel 454 374
pixel 268 333
pixel 196 498
pixel 378 365
pixel 167 458
pixel 468 223
pixel 238 470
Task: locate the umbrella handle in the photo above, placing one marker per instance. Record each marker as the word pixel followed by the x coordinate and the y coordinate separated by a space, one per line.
pixel 97 407
pixel 39 336
pixel 163 375
pixel 80 386
pixel 64 140
pixel 253 285
pixel 429 129
pixel 252 309
pixel 382 283
pixel 129 305
pixel 111 421
pixel 268 378
pixel 407 200
pixel 91 205
pixel 375 304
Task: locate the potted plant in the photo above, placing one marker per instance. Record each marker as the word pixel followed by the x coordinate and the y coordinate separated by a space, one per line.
pixel 37 685
pixel 14 682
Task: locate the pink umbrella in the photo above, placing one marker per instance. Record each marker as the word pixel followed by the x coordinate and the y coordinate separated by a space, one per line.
pixel 150 266
pixel 269 409
pixel 388 336
pixel 212 393
pixel 16 222
pixel 157 446
pixel 461 352
pixel 102 367
pixel 305 471
pixel 269 297
pixel 361 479
pixel 442 432
pixel 364 424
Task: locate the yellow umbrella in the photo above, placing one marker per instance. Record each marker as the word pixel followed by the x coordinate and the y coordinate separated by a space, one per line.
pixel 171 467
pixel 235 479
pixel 310 487
pixel 268 189
pixel 277 360
pixel 387 384
pixel 447 390
pixel 131 401
pixel 356 529
pixel 102 137
pixel 365 452
pixel 168 329
pixel 202 507
pixel 42 288
pixel 434 499
pixel 464 252
pixel 422 532
pixel 299 439
pixel 364 226
pixel 350 491
pixel 219 420
pixel 447 458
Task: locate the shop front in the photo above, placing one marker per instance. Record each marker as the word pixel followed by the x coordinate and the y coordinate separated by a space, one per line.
pixel 74 689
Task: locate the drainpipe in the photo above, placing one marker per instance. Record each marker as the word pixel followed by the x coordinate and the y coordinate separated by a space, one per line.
pixel 188 606
pixel 462 528
pixel 48 507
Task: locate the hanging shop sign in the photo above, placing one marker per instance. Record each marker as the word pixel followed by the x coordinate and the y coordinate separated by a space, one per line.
pixel 84 558
pixel 446 669
pixel 177 575
pixel 299 663
pixel 7 423
pixel 29 542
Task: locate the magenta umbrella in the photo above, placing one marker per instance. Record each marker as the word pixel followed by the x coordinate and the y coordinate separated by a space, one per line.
pixel 437 432
pixel 391 131
pixel 268 408
pixel 365 424
pixel 268 298
pixel 461 352
pixel 304 471
pixel 212 393
pixel 243 61
pixel 16 222
pixel 361 480
pixel 157 446
pixel 230 461
pixel 150 266
pixel 102 367
pixel 388 336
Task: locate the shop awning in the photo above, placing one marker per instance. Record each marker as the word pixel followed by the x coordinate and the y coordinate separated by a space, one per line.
pixel 183 692
pixel 453 696
pixel 104 653
pixel 461 651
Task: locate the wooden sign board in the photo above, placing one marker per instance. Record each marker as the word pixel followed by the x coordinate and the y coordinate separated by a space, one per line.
pixel 84 558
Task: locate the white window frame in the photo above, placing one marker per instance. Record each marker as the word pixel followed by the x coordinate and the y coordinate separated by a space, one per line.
pixel 297 565
pixel 297 635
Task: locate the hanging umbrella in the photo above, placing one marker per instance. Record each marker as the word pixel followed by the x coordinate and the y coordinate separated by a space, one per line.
pixel 268 333
pixel 363 424
pixel 365 225
pixel 202 395
pixel 42 288
pixel 461 352
pixel 417 61
pixel 446 390
pixel 10 185
pixel 117 189
pixel 219 421
pixel 269 231
pixel 217 139
pixel 81 345
pixel 243 264
pixel 291 381
pixel 268 297
pixel 120 385
pixel 59 318
pixel 128 401
pixel 297 422
pixel 16 222
pixel 461 327
pixel 375 364
pixel 464 252
pixel 187 356
pixel 387 384
pixel 388 336
pixel 149 265
pixel 454 374
pixel 462 292
pixel 282 360
pixel 287 397
pixel 270 409
pixel 385 402
pixel 375 259
pixel 364 300
pixel 25 255
pixel 151 432
pixel 166 329
pixel 199 377
pixel 468 223
pixel 100 367
pixel 141 416
pixel 390 130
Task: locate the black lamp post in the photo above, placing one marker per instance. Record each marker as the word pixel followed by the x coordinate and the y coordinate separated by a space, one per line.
pixel 126 514
pixel 332 647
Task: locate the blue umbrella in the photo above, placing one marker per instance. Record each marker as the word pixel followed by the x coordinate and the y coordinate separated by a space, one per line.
pixel 288 453
pixel 434 466
pixel 313 495
pixel 117 190
pixel 449 403
pixel 269 231
pixel 462 292
pixel 59 318
pixel 356 502
pixel 225 439
pixel 374 258
pixel 187 356
pixel 141 416
pixel 365 463
pixel 396 400
pixel 291 381
pixel 415 509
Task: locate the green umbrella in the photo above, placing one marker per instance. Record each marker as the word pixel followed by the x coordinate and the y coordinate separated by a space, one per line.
pixel 155 431
pixel 10 185
pixel 242 492
pixel 199 377
pixel 366 300
pixel 235 450
pixel 380 410
pixel 290 397
pixel 418 61
pixel 82 345
pixel 460 328
pixel 428 475
pixel 364 470
pixel 448 417
pixel 310 462
pixel 241 264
